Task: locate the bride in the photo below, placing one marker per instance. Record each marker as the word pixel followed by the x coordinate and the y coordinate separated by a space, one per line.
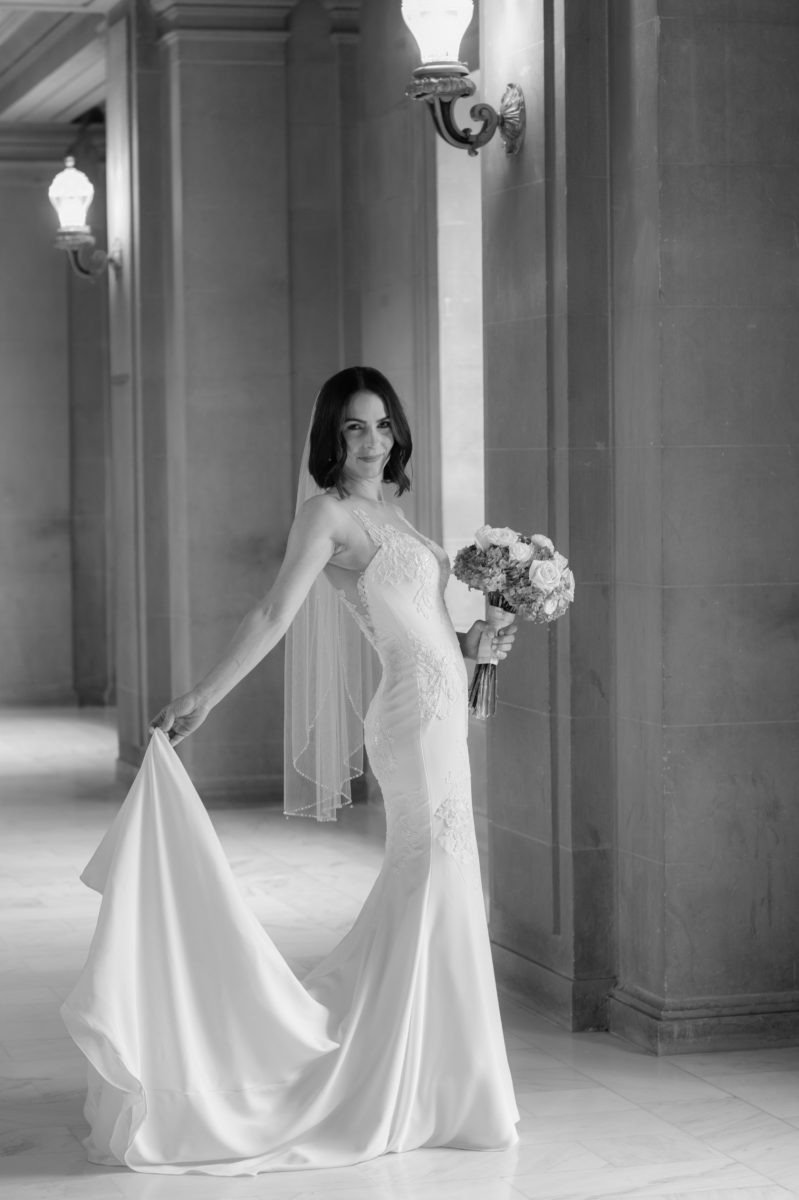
pixel 222 1062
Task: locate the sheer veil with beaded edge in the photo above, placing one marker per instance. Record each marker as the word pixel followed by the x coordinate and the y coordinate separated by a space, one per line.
pixel 329 680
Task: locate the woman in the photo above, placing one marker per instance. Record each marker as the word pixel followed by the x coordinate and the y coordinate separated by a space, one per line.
pixel 393 1041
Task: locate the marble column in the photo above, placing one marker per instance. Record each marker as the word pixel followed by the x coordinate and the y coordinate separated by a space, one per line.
pixel 548 470
pixel 705 113
pixel 197 172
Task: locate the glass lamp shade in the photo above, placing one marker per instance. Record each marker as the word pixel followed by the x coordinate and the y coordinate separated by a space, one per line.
pixel 438 26
pixel 71 194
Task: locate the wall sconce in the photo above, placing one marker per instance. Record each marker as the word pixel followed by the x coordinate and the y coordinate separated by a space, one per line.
pixel 71 193
pixel 439 26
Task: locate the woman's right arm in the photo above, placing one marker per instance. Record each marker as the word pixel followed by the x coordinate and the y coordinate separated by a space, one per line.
pixel 316 534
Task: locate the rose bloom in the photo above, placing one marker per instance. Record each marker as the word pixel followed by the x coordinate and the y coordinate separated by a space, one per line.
pixel 543 542
pixel 488 535
pixel 544 575
pixel 549 605
pixel 482 537
pixel 520 552
pixel 504 536
pixel 560 562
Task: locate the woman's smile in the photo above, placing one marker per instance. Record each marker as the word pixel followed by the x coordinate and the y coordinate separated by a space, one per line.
pixel 368 437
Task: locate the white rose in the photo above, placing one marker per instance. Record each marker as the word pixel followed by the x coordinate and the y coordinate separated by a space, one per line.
pixel 549 606
pixel 560 562
pixel 543 542
pixel 504 536
pixel 520 552
pixel 482 536
pixel 544 575
pixel 488 535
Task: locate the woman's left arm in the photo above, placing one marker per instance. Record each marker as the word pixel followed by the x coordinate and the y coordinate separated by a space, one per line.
pixel 312 542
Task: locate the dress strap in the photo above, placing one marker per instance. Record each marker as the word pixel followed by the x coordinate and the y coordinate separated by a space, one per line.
pixel 376 532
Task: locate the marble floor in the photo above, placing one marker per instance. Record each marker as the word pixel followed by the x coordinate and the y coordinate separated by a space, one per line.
pixel 599 1118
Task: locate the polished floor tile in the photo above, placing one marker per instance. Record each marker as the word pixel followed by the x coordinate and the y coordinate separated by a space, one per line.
pixel 599 1118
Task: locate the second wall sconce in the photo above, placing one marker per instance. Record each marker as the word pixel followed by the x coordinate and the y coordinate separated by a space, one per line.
pixel 439 26
pixel 71 193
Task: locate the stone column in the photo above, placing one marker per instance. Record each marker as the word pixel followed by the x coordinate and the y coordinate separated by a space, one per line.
pixel 345 37
pixel 705 115
pixel 136 223
pixel 200 330
pixel 317 205
pixel 548 470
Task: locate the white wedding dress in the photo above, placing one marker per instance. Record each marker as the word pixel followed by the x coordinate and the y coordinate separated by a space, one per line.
pixel 205 1052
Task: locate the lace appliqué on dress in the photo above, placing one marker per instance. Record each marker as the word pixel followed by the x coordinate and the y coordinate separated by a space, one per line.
pixel 444 564
pixel 454 823
pixel 439 681
pixel 400 557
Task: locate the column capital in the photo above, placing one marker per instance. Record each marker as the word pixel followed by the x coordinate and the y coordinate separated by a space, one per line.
pixel 245 16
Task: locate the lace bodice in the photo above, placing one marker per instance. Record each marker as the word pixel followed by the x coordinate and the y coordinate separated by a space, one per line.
pixel 400 609
pixel 400 556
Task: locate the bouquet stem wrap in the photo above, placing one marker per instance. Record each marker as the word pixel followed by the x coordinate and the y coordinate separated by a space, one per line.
pixel 483 691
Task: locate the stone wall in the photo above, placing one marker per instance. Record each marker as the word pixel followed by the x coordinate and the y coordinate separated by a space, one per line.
pixel 90 462
pixel 641 327
pixel 36 611
pixel 198 197
pixel 706 301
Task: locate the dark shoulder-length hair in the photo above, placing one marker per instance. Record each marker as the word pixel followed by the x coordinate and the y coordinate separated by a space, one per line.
pixel 328 451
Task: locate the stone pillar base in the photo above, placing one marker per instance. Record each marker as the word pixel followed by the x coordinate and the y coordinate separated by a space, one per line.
pixel 707 1023
pixel 575 1004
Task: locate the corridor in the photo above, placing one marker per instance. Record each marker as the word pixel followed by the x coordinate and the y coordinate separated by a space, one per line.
pixel 599 1118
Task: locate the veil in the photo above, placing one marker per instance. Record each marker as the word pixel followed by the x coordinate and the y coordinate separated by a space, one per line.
pixel 328 684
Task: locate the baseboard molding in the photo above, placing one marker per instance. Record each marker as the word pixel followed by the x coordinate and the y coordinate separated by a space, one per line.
pixel 254 789
pixel 215 791
pixel 575 1004
pixel 55 697
pixel 705 1023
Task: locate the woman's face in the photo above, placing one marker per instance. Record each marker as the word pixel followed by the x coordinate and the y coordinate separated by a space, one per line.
pixel 367 435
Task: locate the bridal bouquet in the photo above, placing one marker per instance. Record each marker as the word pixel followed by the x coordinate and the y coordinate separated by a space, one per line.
pixel 520 576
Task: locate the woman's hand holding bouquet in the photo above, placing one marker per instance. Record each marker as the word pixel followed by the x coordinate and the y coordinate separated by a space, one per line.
pixel 519 574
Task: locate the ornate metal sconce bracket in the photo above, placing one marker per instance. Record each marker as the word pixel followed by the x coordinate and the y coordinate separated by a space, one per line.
pixel 441 89
pixel 94 262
